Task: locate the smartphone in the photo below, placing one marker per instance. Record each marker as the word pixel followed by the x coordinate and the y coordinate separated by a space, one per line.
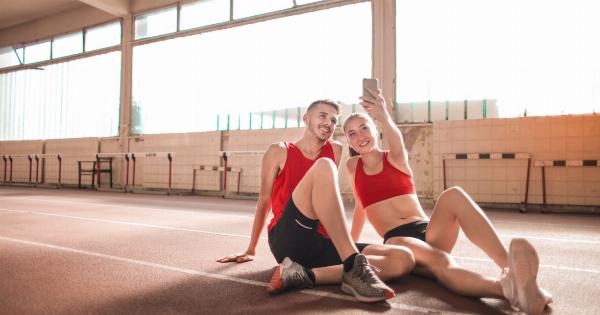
pixel 371 84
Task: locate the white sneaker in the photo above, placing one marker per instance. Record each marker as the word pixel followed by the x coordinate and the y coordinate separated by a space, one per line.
pixel 523 291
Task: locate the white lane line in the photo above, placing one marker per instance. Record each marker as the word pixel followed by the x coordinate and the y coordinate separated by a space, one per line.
pixel 597 271
pixel 163 227
pixel 194 211
pixel 505 236
pixel 203 204
pixel 398 306
pixel 576 238
pixel 552 239
pixel 577 225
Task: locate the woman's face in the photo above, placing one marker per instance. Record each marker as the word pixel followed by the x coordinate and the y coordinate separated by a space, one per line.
pixel 361 135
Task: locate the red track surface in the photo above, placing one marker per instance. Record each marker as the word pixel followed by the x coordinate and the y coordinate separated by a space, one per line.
pixel 73 252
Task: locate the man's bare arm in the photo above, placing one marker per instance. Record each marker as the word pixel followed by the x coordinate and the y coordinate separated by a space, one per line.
pixel 271 165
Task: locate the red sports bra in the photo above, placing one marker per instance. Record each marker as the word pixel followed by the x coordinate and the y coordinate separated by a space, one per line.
pixel 388 183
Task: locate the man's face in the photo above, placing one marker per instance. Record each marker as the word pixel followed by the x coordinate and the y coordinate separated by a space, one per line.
pixel 321 121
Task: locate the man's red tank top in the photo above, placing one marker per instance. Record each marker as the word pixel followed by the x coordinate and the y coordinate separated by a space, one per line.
pixel 296 166
pixel 388 183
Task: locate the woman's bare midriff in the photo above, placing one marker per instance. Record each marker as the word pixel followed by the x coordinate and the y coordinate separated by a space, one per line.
pixel 390 213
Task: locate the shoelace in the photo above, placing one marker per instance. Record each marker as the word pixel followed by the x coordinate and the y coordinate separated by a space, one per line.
pixel 366 273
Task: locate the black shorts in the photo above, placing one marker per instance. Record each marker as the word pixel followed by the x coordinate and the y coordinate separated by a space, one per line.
pixel 295 236
pixel 415 229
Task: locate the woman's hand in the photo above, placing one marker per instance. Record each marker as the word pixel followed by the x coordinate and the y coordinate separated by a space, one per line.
pixel 374 105
pixel 238 258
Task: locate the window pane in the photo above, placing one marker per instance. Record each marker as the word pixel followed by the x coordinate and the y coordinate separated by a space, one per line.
pixel 37 52
pixel 21 54
pixel 202 13
pixel 103 36
pixel 301 2
pixel 8 57
pixel 246 8
pixel 156 23
pixel 66 45
pixel 256 68
pixel 500 56
pixel 62 100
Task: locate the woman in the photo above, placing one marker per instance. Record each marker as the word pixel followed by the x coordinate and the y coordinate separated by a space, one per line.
pixel 385 194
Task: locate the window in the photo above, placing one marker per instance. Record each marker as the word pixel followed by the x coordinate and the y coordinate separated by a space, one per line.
pixel 156 23
pixel 202 13
pixel 261 68
pixel 66 45
pixel 499 52
pixel 8 57
pixel 62 100
pixel 246 8
pixel 37 52
pixel 103 36
pixel 301 2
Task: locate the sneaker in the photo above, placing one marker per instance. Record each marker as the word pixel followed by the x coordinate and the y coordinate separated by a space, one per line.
pixel 362 282
pixel 523 263
pixel 509 289
pixel 288 275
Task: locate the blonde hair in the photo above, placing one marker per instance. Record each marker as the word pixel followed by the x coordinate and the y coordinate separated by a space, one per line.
pixel 357 115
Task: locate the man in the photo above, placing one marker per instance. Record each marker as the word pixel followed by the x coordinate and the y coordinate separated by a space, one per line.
pixel 308 228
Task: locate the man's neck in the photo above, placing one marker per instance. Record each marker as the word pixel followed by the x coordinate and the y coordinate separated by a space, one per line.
pixel 310 145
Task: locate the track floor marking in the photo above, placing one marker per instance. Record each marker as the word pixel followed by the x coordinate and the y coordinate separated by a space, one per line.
pixel 506 236
pixel 208 204
pixel 122 206
pixel 163 227
pixel 398 306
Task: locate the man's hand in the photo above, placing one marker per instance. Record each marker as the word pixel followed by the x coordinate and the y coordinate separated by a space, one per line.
pixel 238 258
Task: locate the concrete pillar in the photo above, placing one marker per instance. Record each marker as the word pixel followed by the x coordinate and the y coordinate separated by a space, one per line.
pixel 126 78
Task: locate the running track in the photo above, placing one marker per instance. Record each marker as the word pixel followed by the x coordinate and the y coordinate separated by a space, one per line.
pixel 73 252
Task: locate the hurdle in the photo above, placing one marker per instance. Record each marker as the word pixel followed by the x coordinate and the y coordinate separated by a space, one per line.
pixel 492 156
pixel 223 169
pixel 37 166
pixel 5 159
pixel 226 154
pixel 560 163
pixel 9 158
pixel 135 155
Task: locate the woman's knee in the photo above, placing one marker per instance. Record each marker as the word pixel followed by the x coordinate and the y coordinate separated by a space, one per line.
pixel 440 262
pixel 452 192
pixel 404 258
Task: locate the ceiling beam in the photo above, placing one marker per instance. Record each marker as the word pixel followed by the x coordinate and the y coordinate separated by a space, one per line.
pixel 117 8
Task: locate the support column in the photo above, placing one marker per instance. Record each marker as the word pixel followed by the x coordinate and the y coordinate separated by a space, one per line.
pixel 126 79
pixel 384 51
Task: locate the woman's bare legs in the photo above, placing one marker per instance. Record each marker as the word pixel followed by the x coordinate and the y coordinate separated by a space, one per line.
pixel 434 262
pixel 455 210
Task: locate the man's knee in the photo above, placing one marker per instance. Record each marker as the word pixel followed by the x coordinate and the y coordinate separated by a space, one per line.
pixel 325 166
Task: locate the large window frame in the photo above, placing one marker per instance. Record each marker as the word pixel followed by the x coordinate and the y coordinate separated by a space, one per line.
pixel 52 60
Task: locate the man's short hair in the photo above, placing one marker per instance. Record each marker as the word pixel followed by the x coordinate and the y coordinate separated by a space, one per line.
pixel 326 102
